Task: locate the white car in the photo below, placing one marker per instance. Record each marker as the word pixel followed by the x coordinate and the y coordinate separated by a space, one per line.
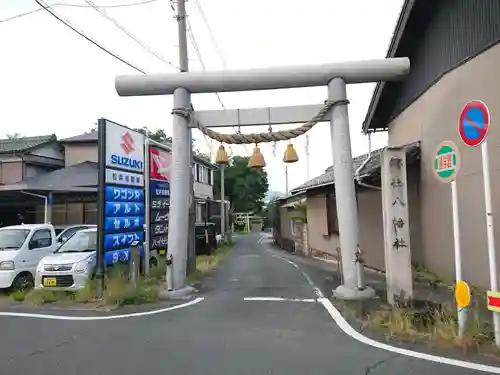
pixel 72 264
pixel 21 247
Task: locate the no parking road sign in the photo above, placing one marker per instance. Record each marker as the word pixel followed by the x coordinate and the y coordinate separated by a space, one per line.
pixel 474 123
pixel 446 161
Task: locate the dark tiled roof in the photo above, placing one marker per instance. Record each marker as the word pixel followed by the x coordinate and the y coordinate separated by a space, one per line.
pixel 24 143
pixel 372 166
pixel 85 137
pixel 78 175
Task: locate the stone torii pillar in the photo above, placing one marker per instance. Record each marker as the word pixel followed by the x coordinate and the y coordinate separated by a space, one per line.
pixel 335 76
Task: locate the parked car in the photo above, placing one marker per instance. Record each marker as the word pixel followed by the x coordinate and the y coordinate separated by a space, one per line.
pixel 73 263
pixel 63 232
pixel 21 248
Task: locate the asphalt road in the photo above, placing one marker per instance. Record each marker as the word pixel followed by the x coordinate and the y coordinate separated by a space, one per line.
pixel 223 334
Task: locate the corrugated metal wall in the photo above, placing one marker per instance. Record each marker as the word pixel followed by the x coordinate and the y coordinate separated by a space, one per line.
pixel 443 34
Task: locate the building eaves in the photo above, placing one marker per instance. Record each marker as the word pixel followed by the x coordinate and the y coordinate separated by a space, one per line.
pixel 91 136
pixel 371 167
pixel 23 144
pixel 391 52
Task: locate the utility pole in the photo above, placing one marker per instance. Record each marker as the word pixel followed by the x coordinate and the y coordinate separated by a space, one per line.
pixel 286 179
pixel 181 172
pixel 222 203
pixel 184 67
pixel 307 157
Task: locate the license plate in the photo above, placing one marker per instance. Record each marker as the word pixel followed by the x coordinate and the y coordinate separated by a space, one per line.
pixel 161 252
pixel 49 281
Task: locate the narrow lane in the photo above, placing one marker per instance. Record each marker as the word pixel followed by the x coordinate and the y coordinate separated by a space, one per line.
pixel 224 334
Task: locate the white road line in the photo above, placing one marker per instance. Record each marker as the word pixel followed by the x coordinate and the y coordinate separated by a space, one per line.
pixel 349 330
pixel 344 326
pixel 279 299
pixel 109 317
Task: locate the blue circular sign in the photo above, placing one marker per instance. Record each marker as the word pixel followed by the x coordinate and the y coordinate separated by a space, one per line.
pixel 474 123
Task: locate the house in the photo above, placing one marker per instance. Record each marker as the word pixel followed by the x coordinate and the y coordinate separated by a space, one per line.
pixel 454 50
pixel 83 147
pixel 72 182
pixel 26 157
pixel 318 198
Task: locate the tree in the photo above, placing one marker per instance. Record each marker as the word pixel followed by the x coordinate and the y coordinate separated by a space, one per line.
pixel 158 135
pixel 245 187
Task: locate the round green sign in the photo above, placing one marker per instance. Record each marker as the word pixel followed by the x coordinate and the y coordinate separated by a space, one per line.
pixel 446 162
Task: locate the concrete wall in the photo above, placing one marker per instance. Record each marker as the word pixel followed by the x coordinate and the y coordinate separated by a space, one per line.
pixel 434 118
pixel 76 153
pixel 317 223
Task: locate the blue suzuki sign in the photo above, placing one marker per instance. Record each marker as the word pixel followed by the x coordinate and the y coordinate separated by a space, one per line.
pixel 122 183
pixel 122 209
pixel 120 224
pixel 121 240
pixel 124 194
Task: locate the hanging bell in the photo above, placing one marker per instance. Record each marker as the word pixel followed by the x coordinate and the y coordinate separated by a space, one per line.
pixel 290 154
pixel 256 160
pixel 221 157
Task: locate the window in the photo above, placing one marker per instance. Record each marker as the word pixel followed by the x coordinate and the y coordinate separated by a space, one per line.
pixel 41 238
pixel 331 214
pixel 13 238
pixel 69 232
pixel 198 173
pixel 210 176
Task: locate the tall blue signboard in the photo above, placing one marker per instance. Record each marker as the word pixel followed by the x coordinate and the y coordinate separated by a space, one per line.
pixel 121 188
pixel 158 197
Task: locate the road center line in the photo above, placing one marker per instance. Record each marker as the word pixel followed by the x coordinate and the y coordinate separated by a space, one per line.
pixel 109 317
pixel 350 331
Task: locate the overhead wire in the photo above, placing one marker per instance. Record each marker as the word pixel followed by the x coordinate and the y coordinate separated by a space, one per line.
pixel 128 33
pixel 218 51
pixel 53 5
pixel 88 38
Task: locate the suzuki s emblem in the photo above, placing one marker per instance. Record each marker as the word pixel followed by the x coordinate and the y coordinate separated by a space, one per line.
pixel 127 143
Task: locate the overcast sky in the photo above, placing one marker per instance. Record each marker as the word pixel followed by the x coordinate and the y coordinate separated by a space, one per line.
pixel 54 81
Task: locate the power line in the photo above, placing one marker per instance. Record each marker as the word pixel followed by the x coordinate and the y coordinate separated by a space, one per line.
pixel 210 32
pixel 75 6
pixel 128 33
pixel 88 38
pixel 198 53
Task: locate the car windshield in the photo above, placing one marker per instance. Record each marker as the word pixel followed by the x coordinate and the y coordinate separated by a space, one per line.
pixel 12 239
pixel 80 242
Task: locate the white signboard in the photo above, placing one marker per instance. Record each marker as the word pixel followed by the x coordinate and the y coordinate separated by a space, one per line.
pixel 124 148
pixel 114 176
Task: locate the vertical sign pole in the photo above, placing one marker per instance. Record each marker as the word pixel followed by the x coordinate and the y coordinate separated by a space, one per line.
pixel 101 196
pixel 222 203
pixel 461 311
pixel 490 233
pixel 147 208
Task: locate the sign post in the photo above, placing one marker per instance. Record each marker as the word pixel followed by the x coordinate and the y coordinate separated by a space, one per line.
pixel 446 167
pixel 473 129
pixel 121 195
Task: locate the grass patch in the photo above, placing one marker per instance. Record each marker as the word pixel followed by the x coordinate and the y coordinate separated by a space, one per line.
pixel 118 290
pixel 433 325
pixel 207 263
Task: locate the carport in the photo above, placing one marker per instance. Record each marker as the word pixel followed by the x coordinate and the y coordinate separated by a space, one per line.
pixel 35 198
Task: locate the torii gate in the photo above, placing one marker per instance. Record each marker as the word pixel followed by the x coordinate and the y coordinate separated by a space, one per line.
pixel 335 76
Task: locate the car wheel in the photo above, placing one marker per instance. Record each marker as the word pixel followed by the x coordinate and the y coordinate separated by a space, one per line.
pixel 23 282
